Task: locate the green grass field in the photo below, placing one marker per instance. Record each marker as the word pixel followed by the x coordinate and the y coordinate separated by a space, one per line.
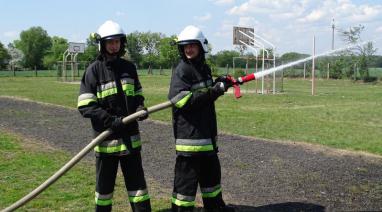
pixel 342 114
pixel 25 165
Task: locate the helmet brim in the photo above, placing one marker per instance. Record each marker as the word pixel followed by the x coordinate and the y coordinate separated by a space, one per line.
pixel 185 42
pixel 118 36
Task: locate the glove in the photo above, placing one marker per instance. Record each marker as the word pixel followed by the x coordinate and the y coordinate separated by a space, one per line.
pixel 224 79
pixel 117 124
pixel 221 78
pixel 218 89
pixel 144 116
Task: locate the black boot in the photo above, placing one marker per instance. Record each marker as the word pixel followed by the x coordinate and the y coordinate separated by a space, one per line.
pixel 228 208
pixel 175 208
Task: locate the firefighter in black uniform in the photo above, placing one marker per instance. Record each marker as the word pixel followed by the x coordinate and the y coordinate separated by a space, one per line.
pixel 110 90
pixel 194 125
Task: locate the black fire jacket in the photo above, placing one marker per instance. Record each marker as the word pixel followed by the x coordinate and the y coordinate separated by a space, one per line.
pixel 194 117
pixel 108 90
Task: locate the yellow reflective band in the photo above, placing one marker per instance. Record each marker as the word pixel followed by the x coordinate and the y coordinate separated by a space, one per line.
pixel 128 89
pixel 85 102
pixel 139 198
pixel 136 143
pixel 106 93
pixel 212 194
pixel 183 101
pixel 110 149
pixel 103 202
pixel 184 148
pixel 182 202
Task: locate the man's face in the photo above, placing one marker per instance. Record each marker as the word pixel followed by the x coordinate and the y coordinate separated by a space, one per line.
pixel 191 50
pixel 112 46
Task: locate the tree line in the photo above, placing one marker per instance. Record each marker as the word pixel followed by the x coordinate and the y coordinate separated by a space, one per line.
pixel 37 50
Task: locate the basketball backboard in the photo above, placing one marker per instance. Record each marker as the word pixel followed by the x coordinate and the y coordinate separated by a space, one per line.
pixel 239 36
pixel 76 47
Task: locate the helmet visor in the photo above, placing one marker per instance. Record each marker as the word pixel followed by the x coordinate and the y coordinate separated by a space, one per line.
pixel 185 42
pixel 111 37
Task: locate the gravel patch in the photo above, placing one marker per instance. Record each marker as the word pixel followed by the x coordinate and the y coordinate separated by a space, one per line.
pixel 257 175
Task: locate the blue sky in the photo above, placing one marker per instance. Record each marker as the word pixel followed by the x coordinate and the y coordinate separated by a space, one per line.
pixel 288 24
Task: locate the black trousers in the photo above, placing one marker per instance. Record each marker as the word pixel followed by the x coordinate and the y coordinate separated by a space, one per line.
pixel 106 172
pixel 189 171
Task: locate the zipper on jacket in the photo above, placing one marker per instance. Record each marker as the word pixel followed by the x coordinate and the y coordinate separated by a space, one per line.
pixel 120 93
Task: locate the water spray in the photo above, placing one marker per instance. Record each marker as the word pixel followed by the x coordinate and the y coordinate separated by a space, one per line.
pixel 236 82
pixel 260 74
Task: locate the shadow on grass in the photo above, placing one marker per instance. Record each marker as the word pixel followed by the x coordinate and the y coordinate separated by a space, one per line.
pixel 280 207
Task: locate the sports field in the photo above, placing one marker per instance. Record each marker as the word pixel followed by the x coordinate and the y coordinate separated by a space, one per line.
pixel 342 114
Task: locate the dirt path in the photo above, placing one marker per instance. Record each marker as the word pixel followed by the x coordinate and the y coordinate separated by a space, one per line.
pixel 258 175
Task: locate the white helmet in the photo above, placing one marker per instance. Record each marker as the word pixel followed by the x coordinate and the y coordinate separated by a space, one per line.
pixel 110 30
pixel 192 34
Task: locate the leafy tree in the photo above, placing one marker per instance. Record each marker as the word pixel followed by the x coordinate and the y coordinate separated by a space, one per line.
pixel 34 43
pixel 365 59
pixel 168 53
pixel 16 57
pixel 376 61
pixel 292 56
pixel 91 50
pixel 212 65
pixel 222 58
pixel 360 54
pixel 4 56
pixel 59 46
pixel 150 43
pixel 337 68
pixel 135 47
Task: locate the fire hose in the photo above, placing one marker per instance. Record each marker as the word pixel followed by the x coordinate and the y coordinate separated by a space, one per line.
pixel 235 83
pixel 229 79
pixel 86 150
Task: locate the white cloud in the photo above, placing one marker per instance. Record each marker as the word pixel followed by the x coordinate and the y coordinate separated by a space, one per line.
pixel 248 21
pixel 223 2
pixel 314 16
pixel 366 13
pixel 283 21
pixel 205 17
pixel 351 13
pixel 264 7
pixel 307 10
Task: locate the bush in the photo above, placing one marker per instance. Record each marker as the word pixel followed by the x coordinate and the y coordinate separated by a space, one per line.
pixel 214 69
pixel 294 73
pixel 238 73
pixel 370 79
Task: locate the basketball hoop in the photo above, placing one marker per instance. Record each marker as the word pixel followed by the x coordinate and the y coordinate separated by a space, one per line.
pixel 76 47
pixel 242 35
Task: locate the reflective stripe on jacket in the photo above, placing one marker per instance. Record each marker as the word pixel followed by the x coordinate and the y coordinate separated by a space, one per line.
pixel 194 118
pixel 109 90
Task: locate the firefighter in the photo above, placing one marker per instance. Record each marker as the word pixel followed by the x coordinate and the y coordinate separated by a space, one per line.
pixel 194 126
pixel 110 90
